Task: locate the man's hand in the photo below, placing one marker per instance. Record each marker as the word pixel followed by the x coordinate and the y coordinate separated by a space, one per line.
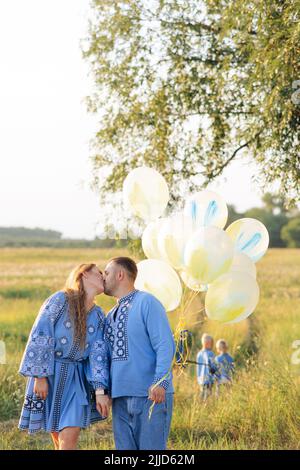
pixel 157 394
pixel 40 387
pixel 103 404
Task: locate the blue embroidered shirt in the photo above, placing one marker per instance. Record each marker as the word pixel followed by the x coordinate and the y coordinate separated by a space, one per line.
pixel 141 345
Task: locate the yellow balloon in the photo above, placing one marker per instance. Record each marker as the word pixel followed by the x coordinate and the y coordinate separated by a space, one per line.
pixel 208 254
pixel 145 193
pixel 149 239
pixel 172 238
pixel 160 279
pixel 232 297
pixel 191 283
pixel 242 263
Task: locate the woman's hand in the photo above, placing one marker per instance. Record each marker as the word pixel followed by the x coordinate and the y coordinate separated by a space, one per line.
pixel 103 404
pixel 40 387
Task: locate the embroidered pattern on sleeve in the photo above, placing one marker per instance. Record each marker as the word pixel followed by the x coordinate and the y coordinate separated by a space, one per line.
pixel 99 363
pixel 39 355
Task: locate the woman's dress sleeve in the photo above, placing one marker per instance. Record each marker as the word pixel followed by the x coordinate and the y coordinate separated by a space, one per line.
pixel 98 365
pixel 38 357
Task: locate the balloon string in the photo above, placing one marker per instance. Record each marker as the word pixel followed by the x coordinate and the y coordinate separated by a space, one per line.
pixel 192 298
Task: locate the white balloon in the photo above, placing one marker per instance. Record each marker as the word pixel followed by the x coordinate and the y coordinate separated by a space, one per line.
pixel 160 279
pixel 149 239
pixel 172 238
pixel 145 193
pixel 208 254
pixel 250 236
pixel 192 283
pixel 206 209
pixel 242 263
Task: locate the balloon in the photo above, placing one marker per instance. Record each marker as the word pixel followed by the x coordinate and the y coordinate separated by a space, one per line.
pixel 232 297
pixel 205 209
pixel 146 193
pixel 208 254
pixel 172 238
pixel 158 278
pixel 250 236
pixel 191 283
pixel 149 239
pixel 242 263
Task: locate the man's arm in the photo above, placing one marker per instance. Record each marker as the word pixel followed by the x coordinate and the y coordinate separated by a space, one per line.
pixel 162 342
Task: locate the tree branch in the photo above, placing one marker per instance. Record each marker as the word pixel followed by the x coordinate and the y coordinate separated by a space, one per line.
pixel 226 163
pixel 195 26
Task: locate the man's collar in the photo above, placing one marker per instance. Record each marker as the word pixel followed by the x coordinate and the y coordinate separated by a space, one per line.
pixel 127 296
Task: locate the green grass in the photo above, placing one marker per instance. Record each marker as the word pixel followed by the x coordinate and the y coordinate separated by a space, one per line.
pixel 261 411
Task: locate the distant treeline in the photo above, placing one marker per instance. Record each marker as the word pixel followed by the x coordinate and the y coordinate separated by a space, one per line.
pixel 283 226
pixel 38 237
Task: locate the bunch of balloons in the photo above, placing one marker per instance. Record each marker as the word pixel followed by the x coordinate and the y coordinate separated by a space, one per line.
pixel 193 245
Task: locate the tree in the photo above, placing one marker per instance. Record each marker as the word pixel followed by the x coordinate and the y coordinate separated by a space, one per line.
pixel 290 233
pixel 274 203
pixel 187 86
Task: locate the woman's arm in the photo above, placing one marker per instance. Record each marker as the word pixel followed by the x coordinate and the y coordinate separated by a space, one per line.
pixel 98 368
pixel 38 357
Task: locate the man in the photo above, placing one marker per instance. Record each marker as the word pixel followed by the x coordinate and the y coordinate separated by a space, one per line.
pixel 141 345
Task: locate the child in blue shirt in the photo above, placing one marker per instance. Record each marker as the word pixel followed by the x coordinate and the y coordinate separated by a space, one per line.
pixel 225 365
pixel 206 366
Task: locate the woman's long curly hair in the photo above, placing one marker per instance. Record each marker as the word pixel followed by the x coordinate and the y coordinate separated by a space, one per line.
pixel 76 298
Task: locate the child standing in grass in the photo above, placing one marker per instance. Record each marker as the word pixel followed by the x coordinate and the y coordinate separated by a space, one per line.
pixel 206 366
pixel 225 365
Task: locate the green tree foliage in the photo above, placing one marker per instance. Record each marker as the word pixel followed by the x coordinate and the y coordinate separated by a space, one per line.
pixel 187 86
pixel 290 233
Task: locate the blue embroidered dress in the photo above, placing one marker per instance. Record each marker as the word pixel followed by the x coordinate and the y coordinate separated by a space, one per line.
pixel 141 345
pixel 72 373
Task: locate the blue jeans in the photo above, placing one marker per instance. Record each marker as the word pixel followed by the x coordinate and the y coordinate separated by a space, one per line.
pixel 133 430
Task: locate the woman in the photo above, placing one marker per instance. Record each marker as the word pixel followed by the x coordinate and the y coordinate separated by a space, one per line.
pixel 66 359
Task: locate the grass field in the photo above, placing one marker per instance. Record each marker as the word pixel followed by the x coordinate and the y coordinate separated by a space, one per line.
pixel 262 410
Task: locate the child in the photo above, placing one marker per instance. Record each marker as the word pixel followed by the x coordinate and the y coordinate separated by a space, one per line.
pixel 225 365
pixel 206 366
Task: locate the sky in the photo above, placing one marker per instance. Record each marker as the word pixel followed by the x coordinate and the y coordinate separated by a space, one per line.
pixel 45 129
